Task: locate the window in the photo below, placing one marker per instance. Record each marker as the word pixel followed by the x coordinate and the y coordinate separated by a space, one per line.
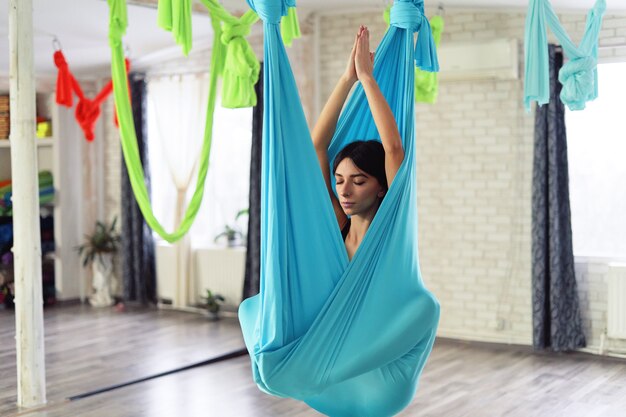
pixel 596 140
pixel 176 119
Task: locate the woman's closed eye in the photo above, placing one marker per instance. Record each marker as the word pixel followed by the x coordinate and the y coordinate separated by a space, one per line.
pixel 355 183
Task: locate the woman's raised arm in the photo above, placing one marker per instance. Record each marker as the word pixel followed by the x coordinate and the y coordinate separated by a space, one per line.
pixel 383 116
pixel 327 123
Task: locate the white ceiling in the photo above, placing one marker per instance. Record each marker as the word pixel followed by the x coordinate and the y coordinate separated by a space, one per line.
pixel 81 26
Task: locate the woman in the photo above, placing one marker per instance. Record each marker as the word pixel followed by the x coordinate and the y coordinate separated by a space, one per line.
pixel 364 169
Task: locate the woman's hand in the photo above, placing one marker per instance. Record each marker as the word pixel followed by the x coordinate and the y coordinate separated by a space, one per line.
pixel 350 73
pixel 364 59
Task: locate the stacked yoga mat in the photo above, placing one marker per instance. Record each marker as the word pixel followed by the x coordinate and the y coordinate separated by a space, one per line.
pixel 46 193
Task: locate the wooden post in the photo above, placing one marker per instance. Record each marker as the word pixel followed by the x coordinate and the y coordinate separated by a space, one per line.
pixel 31 389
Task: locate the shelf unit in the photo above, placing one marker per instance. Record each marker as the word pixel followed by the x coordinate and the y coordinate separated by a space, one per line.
pixel 60 154
pixel 41 142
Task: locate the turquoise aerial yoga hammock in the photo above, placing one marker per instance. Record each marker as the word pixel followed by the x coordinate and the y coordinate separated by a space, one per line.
pixel 579 75
pixel 350 338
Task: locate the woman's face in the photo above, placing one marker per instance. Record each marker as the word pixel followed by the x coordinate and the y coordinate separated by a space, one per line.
pixel 358 192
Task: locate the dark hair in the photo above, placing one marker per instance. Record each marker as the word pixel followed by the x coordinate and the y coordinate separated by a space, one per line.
pixel 368 156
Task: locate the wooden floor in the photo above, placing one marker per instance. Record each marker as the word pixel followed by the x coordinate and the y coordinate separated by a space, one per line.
pixel 88 349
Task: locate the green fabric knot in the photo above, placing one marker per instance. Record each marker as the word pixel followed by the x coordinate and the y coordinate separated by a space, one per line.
pixel 241 67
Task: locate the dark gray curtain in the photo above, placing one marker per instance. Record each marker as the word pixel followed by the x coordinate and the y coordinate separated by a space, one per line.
pixel 253 254
pixel 557 323
pixel 138 265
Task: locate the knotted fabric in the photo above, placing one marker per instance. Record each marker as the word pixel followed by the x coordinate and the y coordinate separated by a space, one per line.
pixel 283 11
pixel 87 110
pixel 271 11
pixel 409 14
pixel 426 83
pixel 241 67
pixel 579 76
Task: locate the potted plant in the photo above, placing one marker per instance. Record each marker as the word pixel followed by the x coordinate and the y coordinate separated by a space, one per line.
pixel 233 235
pixel 98 252
pixel 213 303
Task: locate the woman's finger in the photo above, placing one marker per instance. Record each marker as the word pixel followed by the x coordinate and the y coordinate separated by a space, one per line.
pixel 363 42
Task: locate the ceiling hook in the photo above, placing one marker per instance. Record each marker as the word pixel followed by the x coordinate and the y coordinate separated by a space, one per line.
pixel 56 44
pixel 440 10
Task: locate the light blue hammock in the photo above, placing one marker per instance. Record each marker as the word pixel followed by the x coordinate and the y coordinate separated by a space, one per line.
pixel 350 338
pixel 579 75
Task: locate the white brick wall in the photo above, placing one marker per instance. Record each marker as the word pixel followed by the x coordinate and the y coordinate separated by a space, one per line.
pixel 475 151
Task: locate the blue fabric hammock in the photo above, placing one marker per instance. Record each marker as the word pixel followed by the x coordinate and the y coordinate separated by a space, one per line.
pixel 579 75
pixel 350 338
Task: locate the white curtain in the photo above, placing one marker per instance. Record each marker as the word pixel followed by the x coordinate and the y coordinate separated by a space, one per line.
pixel 176 120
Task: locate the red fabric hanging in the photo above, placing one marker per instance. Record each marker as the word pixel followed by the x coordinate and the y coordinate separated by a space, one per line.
pixel 87 110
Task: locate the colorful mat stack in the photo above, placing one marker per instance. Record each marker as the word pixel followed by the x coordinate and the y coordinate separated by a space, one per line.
pixel 5 125
pixel 46 193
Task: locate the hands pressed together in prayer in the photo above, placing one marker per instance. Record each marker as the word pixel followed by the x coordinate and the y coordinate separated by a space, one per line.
pixel 361 62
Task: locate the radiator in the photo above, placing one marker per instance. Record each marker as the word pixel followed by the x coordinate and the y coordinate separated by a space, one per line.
pixel 219 269
pixel 166 272
pixel 222 271
pixel 617 301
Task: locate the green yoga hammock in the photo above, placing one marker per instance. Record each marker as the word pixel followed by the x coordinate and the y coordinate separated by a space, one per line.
pixel 350 338
pixel 579 75
pixel 232 58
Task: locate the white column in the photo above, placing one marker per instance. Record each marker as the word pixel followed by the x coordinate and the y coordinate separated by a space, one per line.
pixel 31 389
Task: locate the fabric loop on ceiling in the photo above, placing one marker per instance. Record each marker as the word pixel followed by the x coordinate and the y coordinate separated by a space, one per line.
pixel 271 11
pixel 581 73
pixel 410 15
pixel 407 14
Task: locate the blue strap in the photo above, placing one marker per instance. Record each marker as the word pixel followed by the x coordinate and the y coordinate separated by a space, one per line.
pixel 579 76
pixel 409 14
